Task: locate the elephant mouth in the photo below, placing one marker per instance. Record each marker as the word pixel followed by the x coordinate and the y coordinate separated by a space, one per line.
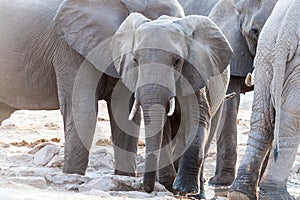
pixel 136 106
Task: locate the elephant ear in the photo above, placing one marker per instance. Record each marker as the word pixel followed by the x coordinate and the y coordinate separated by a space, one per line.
pixel 122 48
pixel 83 24
pixel 224 14
pixel 209 53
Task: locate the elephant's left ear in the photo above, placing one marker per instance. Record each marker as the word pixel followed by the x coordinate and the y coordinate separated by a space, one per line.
pixel 209 52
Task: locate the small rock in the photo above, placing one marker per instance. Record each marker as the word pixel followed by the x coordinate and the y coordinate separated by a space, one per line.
pixel 101 159
pixel 98 193
pixel 68 181
pixel 22 159
pixel 43 156
pixel 118 183
pixel 57 161
pixel 38 147
pixel 37 182
pixel 4 145
pixel 104 184
pixel 140 159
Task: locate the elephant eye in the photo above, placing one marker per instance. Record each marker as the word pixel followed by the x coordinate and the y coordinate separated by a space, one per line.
pixel 177 61
pixel 135 60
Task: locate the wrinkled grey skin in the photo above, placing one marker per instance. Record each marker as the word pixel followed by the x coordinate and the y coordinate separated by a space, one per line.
pixel 224 14
pixel 42 46
pixel 275 111
pixel 166 58
pixel 198 7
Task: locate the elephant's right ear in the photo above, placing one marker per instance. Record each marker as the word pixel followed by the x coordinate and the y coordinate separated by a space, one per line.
pixel 122 45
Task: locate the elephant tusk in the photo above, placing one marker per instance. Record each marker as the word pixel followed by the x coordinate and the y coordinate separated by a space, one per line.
pixel 249 81
pixel 172 107
pixel 134 109
pixel 229 96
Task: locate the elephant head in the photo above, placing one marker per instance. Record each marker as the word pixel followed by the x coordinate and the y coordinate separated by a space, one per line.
pixel 160 59
pixel 224 14
pixel 253 15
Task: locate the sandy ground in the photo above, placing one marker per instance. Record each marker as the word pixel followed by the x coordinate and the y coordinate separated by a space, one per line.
pixel 27 173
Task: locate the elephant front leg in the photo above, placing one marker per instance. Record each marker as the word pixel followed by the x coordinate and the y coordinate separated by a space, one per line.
pixel 187 180
pixel 79 127
pixel 125 134
pixel 76 90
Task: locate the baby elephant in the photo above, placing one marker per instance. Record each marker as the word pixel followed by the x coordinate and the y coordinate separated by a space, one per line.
pixel 177 69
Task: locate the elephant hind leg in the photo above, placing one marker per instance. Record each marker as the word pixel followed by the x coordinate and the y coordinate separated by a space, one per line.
pixel 273 184
pixel 5 112
pixel 227 137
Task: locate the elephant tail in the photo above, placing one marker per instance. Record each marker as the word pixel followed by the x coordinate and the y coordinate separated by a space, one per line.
pixel 285 49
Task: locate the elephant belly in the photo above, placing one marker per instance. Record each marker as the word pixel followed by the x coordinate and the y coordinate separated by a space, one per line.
pixel 27 77
pixel 22 90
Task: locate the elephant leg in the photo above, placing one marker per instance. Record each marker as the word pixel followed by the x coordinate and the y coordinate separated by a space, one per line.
pixel 187 180
pixel 167 171
pixel 195 115
pixel 77 82
pixel 125 133
pixel 5 112
pixel 273 184
pixel 202 180
pixel 246 182
pixel 227 138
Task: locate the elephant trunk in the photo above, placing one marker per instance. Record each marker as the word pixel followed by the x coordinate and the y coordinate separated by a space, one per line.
pixel 154 100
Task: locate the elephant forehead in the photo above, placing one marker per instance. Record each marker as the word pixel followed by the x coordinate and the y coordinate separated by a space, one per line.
pixel 162 38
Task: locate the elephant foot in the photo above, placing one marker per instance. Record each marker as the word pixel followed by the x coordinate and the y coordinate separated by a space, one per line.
pixel 168 183
pixel 169 187
pixel 235 195
pixel 121 173
pixel 275 194
pixel 243 188
pixel 186 186
pixel 70 169
pixel 201 195
pixel 221 180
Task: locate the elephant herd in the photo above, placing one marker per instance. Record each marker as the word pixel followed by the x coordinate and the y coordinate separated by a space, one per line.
pixel 179 65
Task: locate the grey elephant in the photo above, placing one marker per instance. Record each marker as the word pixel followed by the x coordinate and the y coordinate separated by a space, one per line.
pixel 225 15
pixel 44 44
pixel 275 111
pixel 177 70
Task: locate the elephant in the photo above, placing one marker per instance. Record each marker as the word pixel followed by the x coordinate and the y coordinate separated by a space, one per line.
pixel 177 69
pixel 45 48
pixel 224 14
pixel 275 110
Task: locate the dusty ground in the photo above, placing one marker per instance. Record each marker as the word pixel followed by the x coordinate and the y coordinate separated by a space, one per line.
pixel 36 173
